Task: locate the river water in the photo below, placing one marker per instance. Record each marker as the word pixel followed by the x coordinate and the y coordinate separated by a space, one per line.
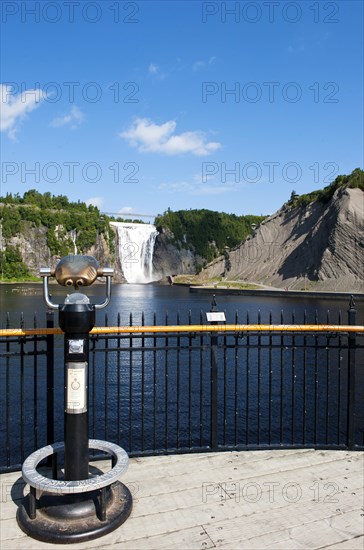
pixel 163 304
pixel 165 300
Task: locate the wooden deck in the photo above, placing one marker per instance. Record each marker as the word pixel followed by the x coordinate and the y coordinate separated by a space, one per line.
pixel 261 499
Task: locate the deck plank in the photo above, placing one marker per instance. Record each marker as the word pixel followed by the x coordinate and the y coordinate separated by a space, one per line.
pixel 171 508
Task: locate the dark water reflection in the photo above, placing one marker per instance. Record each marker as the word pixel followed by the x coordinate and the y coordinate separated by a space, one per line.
pixel 135 299
pixel 265 396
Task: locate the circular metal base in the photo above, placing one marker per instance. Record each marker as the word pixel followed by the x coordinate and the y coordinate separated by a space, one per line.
pixel 76 518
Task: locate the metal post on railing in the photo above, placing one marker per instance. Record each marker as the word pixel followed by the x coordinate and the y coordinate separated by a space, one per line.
pixel 214 317
pixel 351 424
pixel 214 418
pixel 50 381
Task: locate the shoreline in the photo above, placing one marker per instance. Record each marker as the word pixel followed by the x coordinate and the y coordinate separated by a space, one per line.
pixel 277 292
pixel 237 291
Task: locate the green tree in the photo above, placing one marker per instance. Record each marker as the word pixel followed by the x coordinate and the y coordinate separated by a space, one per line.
pixel 12 265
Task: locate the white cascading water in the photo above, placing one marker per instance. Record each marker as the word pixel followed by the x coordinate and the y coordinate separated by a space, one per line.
pixel 73 238
pixel 136 245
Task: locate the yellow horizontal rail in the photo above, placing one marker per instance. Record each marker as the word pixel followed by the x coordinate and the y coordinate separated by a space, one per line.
pixel 189 328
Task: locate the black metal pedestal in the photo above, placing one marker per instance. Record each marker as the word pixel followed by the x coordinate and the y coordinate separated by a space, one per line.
pixel 80 507
pixel 74 511
pixel 76 518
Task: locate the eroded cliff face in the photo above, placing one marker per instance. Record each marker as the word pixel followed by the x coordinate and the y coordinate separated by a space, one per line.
pixel 171 258
pixel 32 244
pixel 318 247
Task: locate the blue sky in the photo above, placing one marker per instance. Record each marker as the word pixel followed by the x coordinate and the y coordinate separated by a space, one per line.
pixel 141 106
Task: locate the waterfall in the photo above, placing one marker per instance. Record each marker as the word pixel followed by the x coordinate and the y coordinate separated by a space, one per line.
pixel 73 238
pixel 136 245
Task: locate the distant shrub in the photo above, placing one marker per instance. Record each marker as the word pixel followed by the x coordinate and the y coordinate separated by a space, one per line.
pixel 355 180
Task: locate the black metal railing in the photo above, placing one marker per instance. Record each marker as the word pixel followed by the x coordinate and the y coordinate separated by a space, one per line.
pixel 192 390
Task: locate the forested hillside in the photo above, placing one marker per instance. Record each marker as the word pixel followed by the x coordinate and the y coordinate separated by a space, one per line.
pixel 63 223
pixel 205 231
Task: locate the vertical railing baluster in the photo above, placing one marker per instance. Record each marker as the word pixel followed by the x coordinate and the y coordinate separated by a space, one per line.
pixel 351 420
pixel 293 385
pixel 8 394
pixel 224 388
pixel 130 385
pixel 189 382
pixel 22 397
pixel 106 381
pixel 50 378
pixel 247 356
pixel 281 381
pixel 35 384
pixel 154 385
pixel 143 384
pixel 259 382
pixel 201 379
pixel 270 374
pixel 316 383
pixel 236 401
pixel 166 387
pixel 214 391
pixel 94 400
pixel 118 391
pixel 178 384
pixel 339 393
pixel 327 389
pixel 304 383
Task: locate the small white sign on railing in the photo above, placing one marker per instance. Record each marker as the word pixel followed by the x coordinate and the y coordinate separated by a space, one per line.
pixel 216 316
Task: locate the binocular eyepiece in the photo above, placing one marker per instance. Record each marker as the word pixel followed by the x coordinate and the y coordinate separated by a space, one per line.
pixel 77 271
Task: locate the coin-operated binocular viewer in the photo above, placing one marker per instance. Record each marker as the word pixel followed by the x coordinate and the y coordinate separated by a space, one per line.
pixel 78 506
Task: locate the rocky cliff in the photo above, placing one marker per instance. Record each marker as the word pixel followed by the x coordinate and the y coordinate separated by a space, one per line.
pixel 318 247
pixel 171 257
pixel 35 253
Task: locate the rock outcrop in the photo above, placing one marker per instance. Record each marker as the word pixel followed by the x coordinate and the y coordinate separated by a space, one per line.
pixel 318 247
pixel 35 253
pixel 172 258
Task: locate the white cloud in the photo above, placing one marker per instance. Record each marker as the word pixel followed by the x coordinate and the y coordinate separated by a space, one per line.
pixel 95 201
pixel 154 138
pixel 153 68
pixel 15 108
pixel 73 118
pixel 202 178
pixel 156 72
pixel 198 65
